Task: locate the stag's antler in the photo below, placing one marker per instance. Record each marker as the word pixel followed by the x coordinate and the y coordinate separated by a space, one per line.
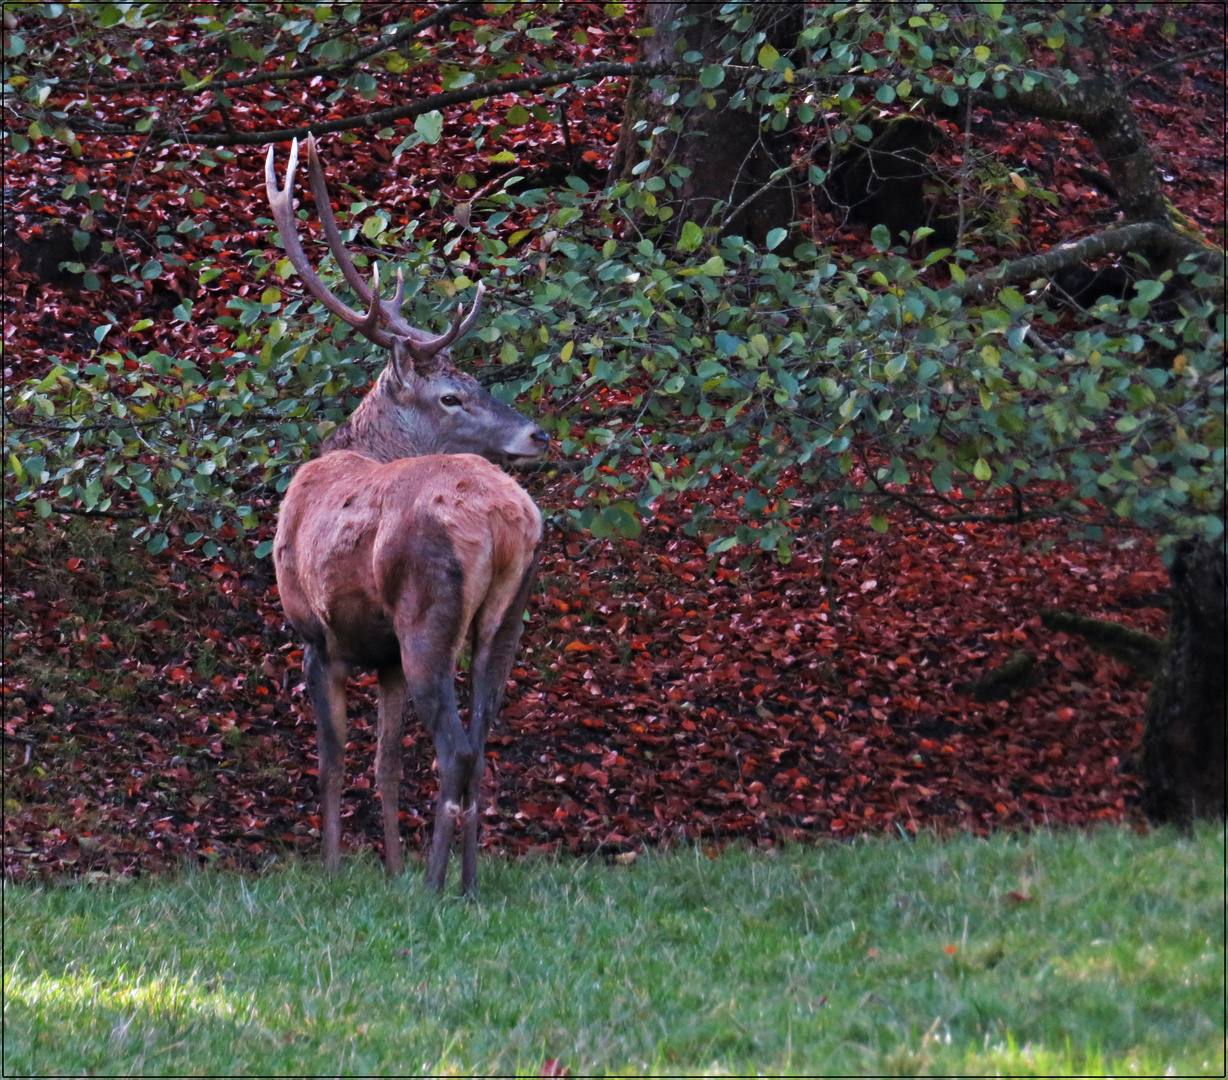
pixel 281 203
pixel 424 348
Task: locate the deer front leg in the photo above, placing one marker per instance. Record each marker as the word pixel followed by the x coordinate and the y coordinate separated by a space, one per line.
pixel 326 688
pixel 392 699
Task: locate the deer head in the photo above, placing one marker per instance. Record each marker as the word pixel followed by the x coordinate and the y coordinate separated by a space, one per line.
pixel 421 403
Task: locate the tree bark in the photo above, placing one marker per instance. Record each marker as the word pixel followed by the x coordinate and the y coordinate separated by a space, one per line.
pixel 729 155
pixel 1101 108
pixel 1183 737
pixel 1153 235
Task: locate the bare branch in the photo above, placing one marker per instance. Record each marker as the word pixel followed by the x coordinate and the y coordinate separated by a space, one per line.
pixel 1214 50
pixel 118 515
pixel 1142 234
pixel 383 117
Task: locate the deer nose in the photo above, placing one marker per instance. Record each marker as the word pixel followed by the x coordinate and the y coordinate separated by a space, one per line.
pixel 540 437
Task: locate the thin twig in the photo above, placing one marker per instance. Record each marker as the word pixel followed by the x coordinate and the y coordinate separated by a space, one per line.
pixel 963 172
pixel 1209 51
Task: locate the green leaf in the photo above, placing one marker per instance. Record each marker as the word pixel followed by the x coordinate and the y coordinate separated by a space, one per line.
pixel 151 269
pixel 692 236
pixel 768 56
pixel 895 366
pixel 1149 290
pixel 264 549
pixel 981 469
pixel 1012 300
pixel 940 477
pixel 601 528
pixel 712 76
pixel 879 523
pixel 880 237
pixel 517 115
pixel 714 267
pixel 430 126
pixel 623 519
pixel 775 238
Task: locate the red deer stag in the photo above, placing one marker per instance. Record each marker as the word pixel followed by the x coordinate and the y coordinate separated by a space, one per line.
pixel 401 544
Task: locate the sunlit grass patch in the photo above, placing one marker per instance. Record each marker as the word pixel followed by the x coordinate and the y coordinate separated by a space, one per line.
pixel 159 997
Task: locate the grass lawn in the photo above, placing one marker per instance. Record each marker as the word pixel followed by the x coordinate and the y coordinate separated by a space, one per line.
pixel 1049 953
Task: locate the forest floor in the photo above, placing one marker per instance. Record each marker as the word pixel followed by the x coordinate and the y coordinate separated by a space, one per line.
pixel 153 708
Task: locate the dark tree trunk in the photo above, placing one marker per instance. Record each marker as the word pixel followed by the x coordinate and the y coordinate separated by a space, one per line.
pixel 1183 740
pixel 730 157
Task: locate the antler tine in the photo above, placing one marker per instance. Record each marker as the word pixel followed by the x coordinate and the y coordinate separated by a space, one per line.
pixel 398 297
pixel 332 235
pixel 281 204
pixel 425 349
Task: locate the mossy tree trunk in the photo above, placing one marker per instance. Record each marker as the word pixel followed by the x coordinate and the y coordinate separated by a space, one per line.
pixel 728 155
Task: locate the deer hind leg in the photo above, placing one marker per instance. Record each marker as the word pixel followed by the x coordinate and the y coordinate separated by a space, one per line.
pixel 392 701
pixel 434 694
pixel 496 635
pixel 470 809
pixel 326 688
pixel 429 615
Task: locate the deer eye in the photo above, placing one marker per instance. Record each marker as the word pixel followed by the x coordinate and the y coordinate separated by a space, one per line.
pixel 450 400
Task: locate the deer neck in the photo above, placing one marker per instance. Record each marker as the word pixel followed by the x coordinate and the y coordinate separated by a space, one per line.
pixel 382 429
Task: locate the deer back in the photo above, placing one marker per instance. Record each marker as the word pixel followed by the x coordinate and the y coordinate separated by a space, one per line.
pixel 355 537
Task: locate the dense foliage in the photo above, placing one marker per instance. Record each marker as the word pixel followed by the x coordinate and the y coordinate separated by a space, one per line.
pixel 659 355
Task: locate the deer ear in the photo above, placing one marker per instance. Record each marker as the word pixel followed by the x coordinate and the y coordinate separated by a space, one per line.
pixel 402 360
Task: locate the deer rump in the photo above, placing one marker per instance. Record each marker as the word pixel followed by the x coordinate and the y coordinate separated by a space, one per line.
pixel 429 551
